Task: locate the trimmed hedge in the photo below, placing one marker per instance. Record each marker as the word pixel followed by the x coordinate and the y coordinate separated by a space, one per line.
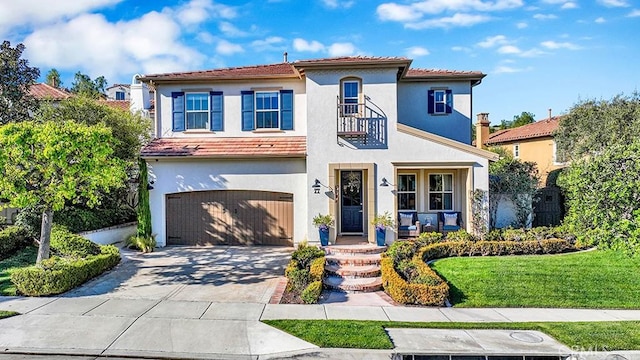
pixel 57 275
pixel 421 285
pixel 12 239
pixel 66 243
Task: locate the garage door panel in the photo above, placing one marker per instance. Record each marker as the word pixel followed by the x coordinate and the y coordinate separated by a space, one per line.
pixel 230 217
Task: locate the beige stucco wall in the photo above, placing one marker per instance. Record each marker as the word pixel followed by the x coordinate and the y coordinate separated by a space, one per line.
pixel 539 151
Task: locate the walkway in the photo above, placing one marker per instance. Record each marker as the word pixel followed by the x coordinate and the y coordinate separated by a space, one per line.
pixel 98 325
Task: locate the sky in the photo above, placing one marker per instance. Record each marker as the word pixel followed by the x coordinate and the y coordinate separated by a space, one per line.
pixel 538 55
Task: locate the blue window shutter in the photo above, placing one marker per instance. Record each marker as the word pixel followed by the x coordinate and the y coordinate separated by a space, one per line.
pixel 286 109
pixel 247 111
pixel 217 120
pixel 430 101
pixel 177 108
pixel 449 102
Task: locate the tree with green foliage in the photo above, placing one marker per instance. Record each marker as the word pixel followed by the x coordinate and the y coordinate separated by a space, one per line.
pixel 603 196
pixel 144 211
pixel 53 78
pixel 591 126
pixel 515 180
pixel 83 85
pixel 518 120
pixel 50 163
pixel 16 77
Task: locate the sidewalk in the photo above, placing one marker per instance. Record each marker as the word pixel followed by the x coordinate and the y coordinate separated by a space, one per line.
pixel 101 325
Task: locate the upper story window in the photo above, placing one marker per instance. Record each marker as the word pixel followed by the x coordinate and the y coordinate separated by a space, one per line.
pixel 440 101
pixel 516 151
pixel 120 95
pixel 350 96
pixel 197 111
pixel 407 192
pixel 267 110
pixel 557 158
pixel 440 192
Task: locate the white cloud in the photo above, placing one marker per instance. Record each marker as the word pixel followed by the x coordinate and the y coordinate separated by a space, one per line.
pixel 509 50
pixel 553 45
pixel 439 6
pixel 503 69
pixel 522 25
pixel 544 16
pixel 303 45
pixel 634 13
pixel 600 20
pixel 206 37
pixel 492 41
pixel 230 30
pixel 148 44
pixel 569 5
pixel 395 12
pixel 451 21
pixel 461 49
pixel 225 47
pixel 417 51
pixel 341 49
pixel 269 44
pixel 614 3
pixel 334 4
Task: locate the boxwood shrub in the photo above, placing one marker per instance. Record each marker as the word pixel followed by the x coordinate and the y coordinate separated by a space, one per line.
pixel 304 273
pixel 66 243
pixel 57 275
pixel 12 239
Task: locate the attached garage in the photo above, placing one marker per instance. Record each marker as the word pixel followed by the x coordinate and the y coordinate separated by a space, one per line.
pixel 229 217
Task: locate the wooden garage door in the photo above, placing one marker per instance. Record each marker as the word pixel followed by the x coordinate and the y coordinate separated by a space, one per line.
pixel 230 217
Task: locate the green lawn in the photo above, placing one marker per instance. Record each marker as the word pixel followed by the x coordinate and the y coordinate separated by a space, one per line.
pixel 23 258
pixel 618 335
pixel 6 314
pixel 592 279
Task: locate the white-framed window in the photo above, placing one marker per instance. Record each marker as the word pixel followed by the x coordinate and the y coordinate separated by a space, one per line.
pixel 516 151
pixel 440 101
pixel 557 159
pixel 267 109
pixel 120 95
pixel 440 192
pixel 406 192
pixel 350 96
pixel 197 110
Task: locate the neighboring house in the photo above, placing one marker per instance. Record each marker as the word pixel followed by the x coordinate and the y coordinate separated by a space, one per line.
pixel 532 142
pixel 249 155
pixel 118 92
pixel 43 92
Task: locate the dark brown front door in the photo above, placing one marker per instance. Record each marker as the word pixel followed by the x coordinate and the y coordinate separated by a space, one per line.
pixel 229 217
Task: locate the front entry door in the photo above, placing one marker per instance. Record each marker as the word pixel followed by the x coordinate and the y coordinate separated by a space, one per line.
pixel 351 201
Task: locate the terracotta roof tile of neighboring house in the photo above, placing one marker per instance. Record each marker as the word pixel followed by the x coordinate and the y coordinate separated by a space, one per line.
pixel 117 104
pixel 534 130
pixel 42 91
pixel 434 74
pixel 227 147
pixel 118 85
pixel 352 60
pixel 244 72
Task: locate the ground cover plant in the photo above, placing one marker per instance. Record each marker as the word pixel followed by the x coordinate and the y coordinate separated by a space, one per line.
pixel 591 279
pixel 6 314
pixel 608 336
pixel 304 273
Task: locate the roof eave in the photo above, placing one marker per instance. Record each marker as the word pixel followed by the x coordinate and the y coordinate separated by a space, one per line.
pixel 173 79
pixel 217 157
pixel 475 79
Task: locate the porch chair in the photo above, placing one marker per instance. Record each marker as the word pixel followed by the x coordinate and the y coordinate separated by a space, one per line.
pixel 450 221
pixel 408 224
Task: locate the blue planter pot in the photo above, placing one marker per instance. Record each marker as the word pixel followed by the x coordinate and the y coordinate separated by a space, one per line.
pixel 381 235
pixel 324 236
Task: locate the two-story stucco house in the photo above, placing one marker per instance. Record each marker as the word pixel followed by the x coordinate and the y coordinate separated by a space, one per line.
pixel 249 155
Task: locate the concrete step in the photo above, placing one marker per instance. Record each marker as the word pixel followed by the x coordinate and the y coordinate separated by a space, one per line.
pixel 353 285
pixel 352 259
pixel 353 271
pixel 354 249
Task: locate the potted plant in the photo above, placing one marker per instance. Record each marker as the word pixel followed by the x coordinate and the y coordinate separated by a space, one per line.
pixel 382 222
pixel 323 223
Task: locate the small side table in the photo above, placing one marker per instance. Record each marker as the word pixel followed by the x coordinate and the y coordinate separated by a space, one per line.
pixel 428 228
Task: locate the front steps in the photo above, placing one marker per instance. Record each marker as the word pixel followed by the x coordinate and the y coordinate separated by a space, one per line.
pixel 353 268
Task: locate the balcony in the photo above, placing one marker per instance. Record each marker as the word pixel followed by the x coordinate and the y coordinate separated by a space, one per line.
pixel 361 125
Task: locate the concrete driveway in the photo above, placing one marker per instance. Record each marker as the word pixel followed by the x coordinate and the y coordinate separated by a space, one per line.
pixel 213 274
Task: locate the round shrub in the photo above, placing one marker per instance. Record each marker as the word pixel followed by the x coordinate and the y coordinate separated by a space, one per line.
pixel 66 243
pixel 304 254
pixel 12 239
pixel 311 293
pixel 460 235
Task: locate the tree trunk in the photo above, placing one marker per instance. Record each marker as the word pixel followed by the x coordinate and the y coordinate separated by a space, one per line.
pixel 45 235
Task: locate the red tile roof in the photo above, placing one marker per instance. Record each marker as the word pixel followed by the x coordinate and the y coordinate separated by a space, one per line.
pixel 439 73
pixel 353 60
pixel 537 129
pixel 283 70
pixel 227 147
pixel 117 104
pixel 43 91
